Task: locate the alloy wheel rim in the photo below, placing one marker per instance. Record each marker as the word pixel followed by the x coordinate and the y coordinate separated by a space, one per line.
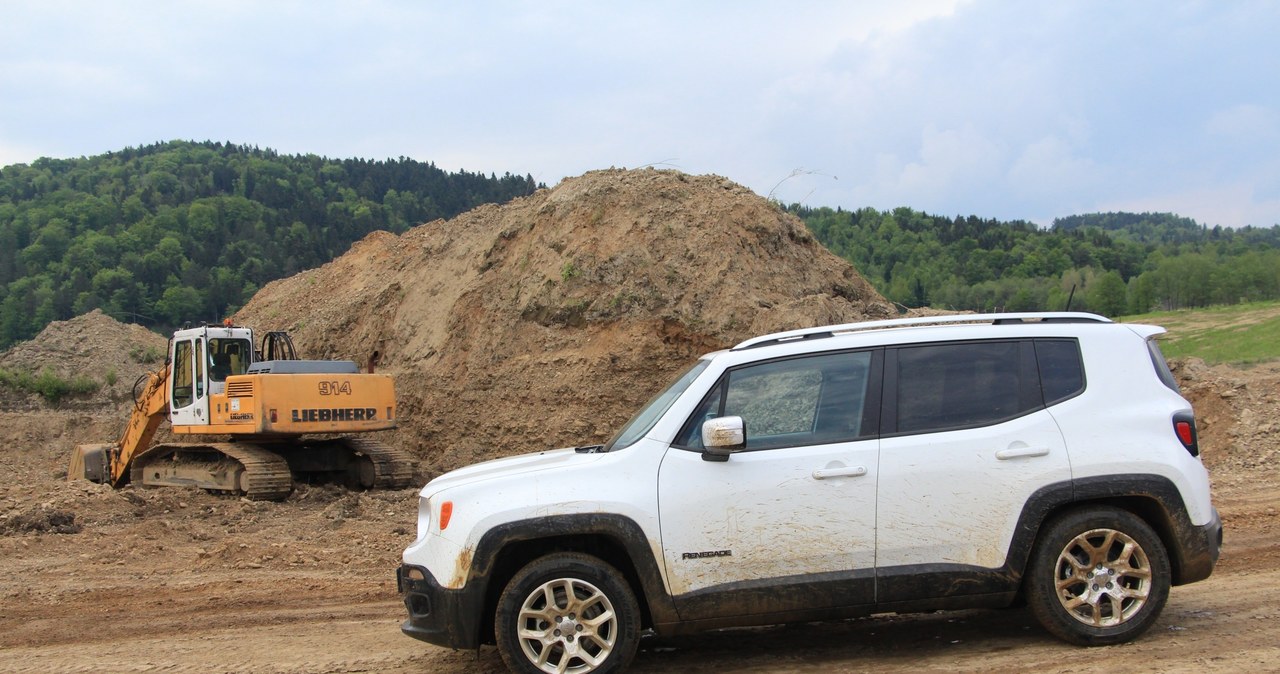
pixel 1103 578
pixel 567 626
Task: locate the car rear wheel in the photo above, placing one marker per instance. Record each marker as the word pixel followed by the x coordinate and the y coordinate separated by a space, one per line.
pixel 1098 576
pixel 567 613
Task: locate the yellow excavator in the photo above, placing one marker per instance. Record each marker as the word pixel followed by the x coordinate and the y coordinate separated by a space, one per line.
pixel 286 418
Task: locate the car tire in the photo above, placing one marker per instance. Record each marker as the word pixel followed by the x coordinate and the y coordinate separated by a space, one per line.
pixel 567 612
pixel 1098 576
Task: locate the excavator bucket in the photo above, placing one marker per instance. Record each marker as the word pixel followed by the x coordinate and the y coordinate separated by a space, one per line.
pixel 89 462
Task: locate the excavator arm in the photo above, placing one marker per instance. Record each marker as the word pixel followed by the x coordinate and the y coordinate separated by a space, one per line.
pixel 111 463
pixel 149 410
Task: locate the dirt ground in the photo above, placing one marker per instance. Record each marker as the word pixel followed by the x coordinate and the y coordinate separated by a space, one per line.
pixel 546 304
pixel 138 580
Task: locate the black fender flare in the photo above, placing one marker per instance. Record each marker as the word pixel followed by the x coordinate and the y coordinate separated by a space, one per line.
pixel 622 532
pixel 1159 503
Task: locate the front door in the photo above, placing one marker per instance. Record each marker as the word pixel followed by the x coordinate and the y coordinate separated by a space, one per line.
pixel 789 522
pixel 188 382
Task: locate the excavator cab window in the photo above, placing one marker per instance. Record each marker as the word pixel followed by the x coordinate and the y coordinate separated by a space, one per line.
pixel 200 373
pixel 228 357
pixel 183 393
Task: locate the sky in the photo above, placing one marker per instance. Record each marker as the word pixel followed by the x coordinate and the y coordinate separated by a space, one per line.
pixel 998 108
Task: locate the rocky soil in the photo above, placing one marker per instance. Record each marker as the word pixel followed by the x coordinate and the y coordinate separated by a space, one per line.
pixel 515 328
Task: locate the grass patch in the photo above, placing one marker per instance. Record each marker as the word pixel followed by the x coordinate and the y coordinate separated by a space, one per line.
pixel 1239 334
pixel 568 270
pixel 149 354
pixel 48 384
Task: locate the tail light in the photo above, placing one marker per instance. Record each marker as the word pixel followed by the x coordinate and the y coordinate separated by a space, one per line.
pixel 1184 426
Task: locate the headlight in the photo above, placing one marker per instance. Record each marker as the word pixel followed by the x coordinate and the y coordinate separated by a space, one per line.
pixel 424 516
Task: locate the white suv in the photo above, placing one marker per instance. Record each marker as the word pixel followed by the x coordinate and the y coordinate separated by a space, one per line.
pixel 904 465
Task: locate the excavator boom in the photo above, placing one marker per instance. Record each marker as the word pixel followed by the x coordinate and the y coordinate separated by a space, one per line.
pixel 148 411
pixel 110 462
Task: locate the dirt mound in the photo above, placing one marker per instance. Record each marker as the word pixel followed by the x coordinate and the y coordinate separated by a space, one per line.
pixel 546 321
pixel 1237 416
pixel 93 345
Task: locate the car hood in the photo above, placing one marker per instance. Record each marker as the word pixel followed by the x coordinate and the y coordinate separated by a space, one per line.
pixel 508 466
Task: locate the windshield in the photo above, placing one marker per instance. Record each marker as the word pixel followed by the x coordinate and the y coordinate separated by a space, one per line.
pixel 648 415
pixel 228 357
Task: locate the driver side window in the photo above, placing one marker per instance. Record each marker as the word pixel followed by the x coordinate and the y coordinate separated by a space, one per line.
pixel 799 401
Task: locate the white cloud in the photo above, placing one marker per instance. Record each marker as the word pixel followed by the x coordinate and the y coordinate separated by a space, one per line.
pixel 992 107
pixel 1246 122
pixel 15 153
pixel 1231 205
pixel 1050 167
pixel 947 164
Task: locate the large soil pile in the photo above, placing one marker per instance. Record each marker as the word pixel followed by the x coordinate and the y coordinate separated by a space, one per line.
pixel 94 345
pixel 547 321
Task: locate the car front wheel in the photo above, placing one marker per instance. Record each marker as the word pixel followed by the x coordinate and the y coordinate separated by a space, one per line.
pixel 567 613
pixel 1098 576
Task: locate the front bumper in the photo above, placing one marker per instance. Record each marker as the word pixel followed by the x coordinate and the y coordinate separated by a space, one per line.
pixel 438 615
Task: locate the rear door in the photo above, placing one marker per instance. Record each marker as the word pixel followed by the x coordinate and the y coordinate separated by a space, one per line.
pixel 966 442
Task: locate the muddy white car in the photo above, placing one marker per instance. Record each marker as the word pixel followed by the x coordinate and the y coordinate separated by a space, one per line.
pixel 904 465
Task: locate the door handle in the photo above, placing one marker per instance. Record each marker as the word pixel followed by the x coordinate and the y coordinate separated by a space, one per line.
pixel 853 471
pixel 1017 452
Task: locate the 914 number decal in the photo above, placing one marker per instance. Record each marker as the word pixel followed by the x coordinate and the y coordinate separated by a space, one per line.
pixel 334 388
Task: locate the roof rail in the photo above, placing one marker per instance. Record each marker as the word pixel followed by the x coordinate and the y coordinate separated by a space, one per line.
pixel 994 319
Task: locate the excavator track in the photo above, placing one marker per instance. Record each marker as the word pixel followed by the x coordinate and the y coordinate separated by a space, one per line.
pixel 392 468
pixel 267 471
pixel 242 468
pixel 266 474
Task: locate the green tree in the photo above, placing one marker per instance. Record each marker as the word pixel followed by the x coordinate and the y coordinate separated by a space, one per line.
pixel 180 304
pixel 977 264
pixel 1108 295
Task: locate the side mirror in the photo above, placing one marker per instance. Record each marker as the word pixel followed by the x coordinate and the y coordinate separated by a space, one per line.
pixel 721 437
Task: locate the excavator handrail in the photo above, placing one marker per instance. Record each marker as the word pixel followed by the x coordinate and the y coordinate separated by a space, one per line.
pixel 139 389
pixel 278 345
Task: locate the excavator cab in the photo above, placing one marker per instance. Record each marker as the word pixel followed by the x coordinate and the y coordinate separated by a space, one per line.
pixel 202 360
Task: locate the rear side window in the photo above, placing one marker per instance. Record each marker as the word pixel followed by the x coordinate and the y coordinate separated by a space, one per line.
pixel 947 386
pixel 1162 366
pixel 1061 370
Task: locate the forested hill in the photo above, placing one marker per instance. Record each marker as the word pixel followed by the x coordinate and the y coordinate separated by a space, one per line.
pixel 185 231
pixel 1118 263
pixel 1152 228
